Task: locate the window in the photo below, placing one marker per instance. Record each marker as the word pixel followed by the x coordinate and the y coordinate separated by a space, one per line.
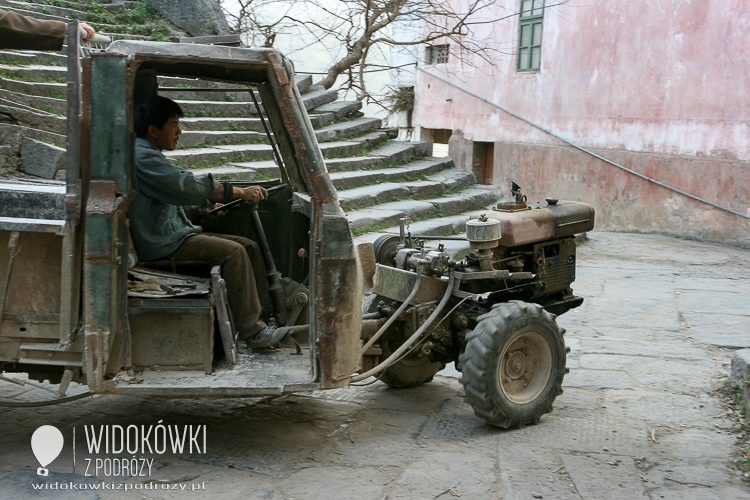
pixel 530 36
pixel 437 54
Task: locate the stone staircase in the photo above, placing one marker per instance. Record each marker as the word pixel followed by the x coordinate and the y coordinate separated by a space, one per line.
pixel 380 180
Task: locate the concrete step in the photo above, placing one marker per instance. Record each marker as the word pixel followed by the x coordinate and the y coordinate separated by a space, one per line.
pixel 355 163
pixel 221 109
pixel 454 178
pixel 56 90
pixel 397 151
pixel 47 104
pixel 35 72
pixel 343 148
pixel 32 118
pixel 430 190
pixel 49 9
pixel 228 123
pixel 13 135
pixel 318 98
pixel 221 124
pixel 372 139
pixel 228 173
pixel 340 109
pixel 339 148
pixel 409 172
pixel 232 109
pixel 347 128
pixel 389 154
pixel 240 95
pixel 31 13
pixel 32 200
pixel 25 57
pixel 451 225
pixel 321 119
pixel 265 168
pixel 218 155
pixel 468 199
pixel 388 214
pixel 200 138
pixel 176 81
pixel 366 196
pixel 115 31
pixel 304 82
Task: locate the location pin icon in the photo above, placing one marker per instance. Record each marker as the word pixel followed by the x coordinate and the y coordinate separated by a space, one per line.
pixel 46 443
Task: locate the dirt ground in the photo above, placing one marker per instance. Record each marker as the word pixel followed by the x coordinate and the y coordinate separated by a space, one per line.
pixel 639 417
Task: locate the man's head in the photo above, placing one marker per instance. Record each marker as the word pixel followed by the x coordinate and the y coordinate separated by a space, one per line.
pixel 157 119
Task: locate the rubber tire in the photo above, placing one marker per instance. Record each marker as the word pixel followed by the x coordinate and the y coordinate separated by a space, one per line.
pixel 409 372
pixel 481 363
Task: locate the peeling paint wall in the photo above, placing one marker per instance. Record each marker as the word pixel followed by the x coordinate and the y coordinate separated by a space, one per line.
pixel 661 85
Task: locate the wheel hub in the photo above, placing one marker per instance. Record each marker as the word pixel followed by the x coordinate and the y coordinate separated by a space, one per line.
pixel 525 367
pixel 516 365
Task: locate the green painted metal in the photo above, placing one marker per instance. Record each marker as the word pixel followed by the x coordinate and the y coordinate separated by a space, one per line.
pixel 111 120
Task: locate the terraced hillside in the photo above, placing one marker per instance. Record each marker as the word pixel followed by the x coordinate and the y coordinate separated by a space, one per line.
pixel 380 180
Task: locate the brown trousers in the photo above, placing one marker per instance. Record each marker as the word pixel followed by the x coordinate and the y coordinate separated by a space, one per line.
pixel 243 270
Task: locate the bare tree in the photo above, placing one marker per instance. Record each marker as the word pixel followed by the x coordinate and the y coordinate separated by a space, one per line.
pixel 366 27
pixel 259 20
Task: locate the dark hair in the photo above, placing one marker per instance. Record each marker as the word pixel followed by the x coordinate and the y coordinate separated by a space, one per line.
pixel 157 111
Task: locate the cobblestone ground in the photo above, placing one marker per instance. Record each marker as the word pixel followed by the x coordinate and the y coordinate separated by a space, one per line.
pixel 638 418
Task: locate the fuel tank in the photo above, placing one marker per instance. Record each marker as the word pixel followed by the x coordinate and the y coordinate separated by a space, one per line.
pixel 521 223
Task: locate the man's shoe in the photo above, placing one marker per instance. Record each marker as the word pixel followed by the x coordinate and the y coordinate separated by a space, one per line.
pixel 268 337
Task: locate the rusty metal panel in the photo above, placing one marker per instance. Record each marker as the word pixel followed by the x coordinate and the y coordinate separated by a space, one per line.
pixel 52 354
pixel 337 307
pixel 397 284
pixel 172 334
pixel 32 302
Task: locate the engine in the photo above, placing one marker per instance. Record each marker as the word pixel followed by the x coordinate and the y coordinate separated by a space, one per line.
pixel 533 243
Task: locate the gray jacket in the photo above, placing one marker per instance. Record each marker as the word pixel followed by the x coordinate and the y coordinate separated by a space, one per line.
pixel 158 223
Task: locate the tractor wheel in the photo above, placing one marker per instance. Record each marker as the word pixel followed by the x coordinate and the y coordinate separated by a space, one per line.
pixel 514 364
pixel 410 371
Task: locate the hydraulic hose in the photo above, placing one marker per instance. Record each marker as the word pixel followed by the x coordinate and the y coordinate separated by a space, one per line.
pixel 406 345
pixel 31 404
pixel 395 315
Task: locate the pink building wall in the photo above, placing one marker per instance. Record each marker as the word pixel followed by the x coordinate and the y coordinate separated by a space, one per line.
pixel 660 86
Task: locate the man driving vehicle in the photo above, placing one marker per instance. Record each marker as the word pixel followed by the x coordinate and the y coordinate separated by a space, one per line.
pixel 161 228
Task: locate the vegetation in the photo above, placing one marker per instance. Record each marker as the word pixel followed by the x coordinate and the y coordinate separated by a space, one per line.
pixel 143 19
pixel 402 99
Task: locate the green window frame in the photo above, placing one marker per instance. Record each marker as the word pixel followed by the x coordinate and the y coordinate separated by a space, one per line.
pixel 530 35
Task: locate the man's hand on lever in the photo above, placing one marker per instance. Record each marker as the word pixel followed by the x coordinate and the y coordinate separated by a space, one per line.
pixel 253 194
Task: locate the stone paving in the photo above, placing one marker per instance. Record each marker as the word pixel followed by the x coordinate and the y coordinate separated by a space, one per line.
pixel 639 417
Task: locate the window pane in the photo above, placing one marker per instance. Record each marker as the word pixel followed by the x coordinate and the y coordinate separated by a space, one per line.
pixel 538 4
pixel 536 55
pixel 523 59
pixel 525 8
pixel 525 35
pixel 537 34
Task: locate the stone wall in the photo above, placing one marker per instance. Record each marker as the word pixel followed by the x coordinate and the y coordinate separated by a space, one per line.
pixel 623 201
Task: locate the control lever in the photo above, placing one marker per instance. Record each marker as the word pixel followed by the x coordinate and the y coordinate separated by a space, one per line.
pixel 275 289
pixel 239 202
